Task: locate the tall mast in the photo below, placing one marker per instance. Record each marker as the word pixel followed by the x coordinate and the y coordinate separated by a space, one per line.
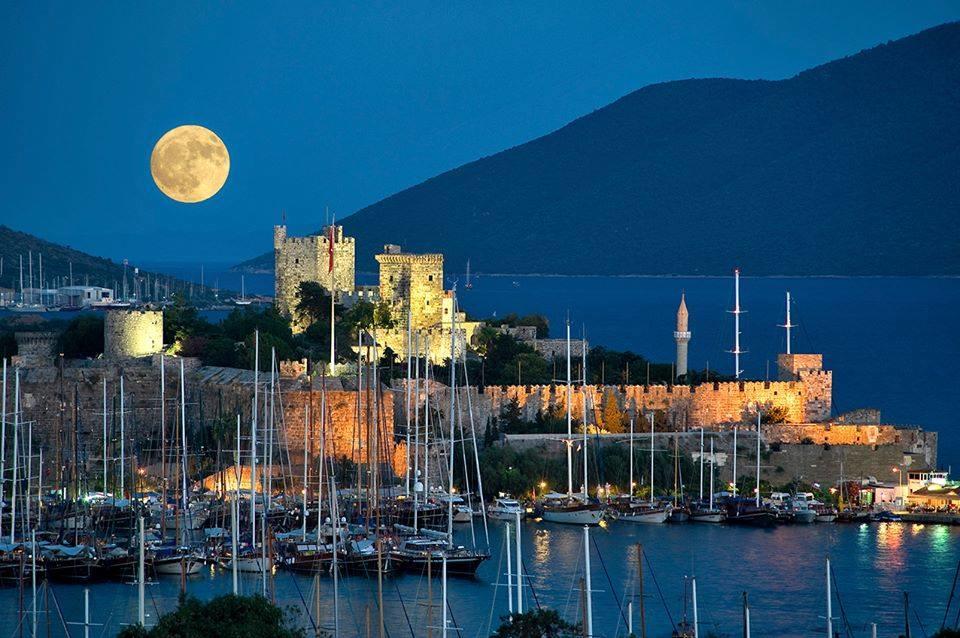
pixel 588 611
pixel 332 235
pixel 426 423
pixel 829 603
pixel 735 428
pixel 569 419
pixel 788 325
pixel 758 457
pixel 630 486
pixel 163 443
pixel 701 464
pixel 711 473
pixel 583 386
pixel 416 435
pixel 650 418
pixel 3 440
pixel 406 486
pixel 105 438
pixel 183 447
pixel 122 442
pixel 253 439
pixel 16 428
pixel 736 312
pixel 451 417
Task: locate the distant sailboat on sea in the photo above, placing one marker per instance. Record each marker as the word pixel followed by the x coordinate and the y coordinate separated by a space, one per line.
pixel 469 283
pixel 242 301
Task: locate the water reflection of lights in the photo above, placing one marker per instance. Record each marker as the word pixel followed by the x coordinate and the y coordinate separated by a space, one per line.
pixel 940 538
pixel 541 546
pixel 916 528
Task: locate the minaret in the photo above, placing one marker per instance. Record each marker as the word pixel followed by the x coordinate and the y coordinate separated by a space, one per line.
pixel 682 336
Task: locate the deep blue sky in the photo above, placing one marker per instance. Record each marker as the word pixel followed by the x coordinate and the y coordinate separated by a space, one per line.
pixel 342 105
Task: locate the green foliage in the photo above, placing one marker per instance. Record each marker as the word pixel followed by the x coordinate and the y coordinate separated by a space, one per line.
pixel 774 414
pixel 82 338
pixel 507 361
pixel 313 302
pixel 182 320
pixel 613 367
pixel 537 623
pixel 223 617
pixel 8 343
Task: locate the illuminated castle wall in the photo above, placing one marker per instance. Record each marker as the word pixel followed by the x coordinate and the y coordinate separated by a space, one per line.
pixel 132 333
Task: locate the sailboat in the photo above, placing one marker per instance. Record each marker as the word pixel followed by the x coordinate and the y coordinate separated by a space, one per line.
pixel 469 283
pixel 242 301
pixel 633 510
pixel 570 508
pixel 705 512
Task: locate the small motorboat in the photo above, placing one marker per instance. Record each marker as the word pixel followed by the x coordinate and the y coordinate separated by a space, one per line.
pixel 505 508
pixel 630 510
pixel 571 510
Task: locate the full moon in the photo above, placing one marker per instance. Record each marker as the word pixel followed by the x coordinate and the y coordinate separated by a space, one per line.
pixel 189 164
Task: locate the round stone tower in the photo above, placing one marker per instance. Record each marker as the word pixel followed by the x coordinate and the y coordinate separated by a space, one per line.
pixel 132 333
pixel 682 336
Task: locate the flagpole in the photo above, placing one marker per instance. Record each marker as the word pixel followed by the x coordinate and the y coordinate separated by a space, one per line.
pixel 332 234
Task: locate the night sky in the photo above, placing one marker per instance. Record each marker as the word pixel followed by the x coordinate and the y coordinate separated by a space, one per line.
pixel 339 105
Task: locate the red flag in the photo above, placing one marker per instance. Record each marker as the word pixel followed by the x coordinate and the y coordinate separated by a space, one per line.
pixel 330 242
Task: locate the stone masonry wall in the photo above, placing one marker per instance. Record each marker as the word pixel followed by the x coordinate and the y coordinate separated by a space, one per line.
pixel 414 284
pixel 709 405
pixel 132 333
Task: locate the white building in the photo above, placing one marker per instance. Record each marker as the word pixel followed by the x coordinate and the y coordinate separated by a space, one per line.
pixel 84 296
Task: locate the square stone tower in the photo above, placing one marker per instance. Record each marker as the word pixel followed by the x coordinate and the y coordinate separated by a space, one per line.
pixel 299 259
pixel 412 283
pixel 817 383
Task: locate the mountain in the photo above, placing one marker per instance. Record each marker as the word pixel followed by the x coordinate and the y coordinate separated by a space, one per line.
pixel 847 168
pixel 57 262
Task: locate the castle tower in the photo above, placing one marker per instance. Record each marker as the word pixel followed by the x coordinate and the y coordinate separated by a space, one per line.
pixel 327 258
pixel 682 336
pixel 412 284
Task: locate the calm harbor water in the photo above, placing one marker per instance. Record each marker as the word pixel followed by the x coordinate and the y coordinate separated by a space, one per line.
pixel 781 569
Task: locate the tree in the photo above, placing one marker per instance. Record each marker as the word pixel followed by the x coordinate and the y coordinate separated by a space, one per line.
pixel 82 338
pixel 182 320
pixel 536 623
pixel 313 302
pixel 223 617
pixel 775 414
pixel 611 415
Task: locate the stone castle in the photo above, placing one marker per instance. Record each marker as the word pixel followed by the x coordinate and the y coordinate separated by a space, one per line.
pixel 328 259
pixel 410 285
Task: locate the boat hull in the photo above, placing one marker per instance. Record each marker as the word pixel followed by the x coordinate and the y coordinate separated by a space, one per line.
pixel 573 516
pixel 177 566
pixel 706 517
pixel 652 516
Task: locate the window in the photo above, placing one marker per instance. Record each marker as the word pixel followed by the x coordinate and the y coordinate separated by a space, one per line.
pixel 430 278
